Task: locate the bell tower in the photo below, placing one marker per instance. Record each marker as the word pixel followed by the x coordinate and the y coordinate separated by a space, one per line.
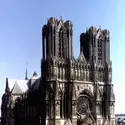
pixel 57 52
pixel 76 91
pixel 95 44
pixel 57 39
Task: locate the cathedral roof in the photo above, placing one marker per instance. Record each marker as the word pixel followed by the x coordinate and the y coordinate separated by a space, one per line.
pixel 32 80
pixel 20 86
pixel 16 89
pixel 16 85
pixel 36 84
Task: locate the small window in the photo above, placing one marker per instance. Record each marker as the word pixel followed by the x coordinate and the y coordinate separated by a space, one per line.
pixel 18 99
pixel 77 87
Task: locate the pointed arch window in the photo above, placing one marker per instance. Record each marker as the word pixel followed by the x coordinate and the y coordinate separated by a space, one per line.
pixel 45 47
pixel 61 46
pixel 99 50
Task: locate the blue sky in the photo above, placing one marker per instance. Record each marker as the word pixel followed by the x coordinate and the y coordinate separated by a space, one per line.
pixel 21 22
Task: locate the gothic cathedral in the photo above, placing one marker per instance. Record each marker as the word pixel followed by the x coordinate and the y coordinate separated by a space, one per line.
pixel 70 91
pixel 78 91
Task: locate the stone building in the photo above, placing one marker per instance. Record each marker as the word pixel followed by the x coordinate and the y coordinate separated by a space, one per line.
pixel 69 91
pixel 120 119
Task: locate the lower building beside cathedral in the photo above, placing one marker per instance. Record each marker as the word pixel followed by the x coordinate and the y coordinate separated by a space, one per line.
pixel 69 91
pixel 120 119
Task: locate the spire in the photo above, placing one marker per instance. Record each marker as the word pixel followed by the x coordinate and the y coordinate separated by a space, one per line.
pixel 7 89
pixel 34 74
pixel 26 77
pixel 61 17
pixel 81 57
pixel 99 26
pixel 86 29
pixel 112 95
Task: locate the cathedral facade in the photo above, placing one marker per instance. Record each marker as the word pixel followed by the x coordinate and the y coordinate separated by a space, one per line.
pixel 69 91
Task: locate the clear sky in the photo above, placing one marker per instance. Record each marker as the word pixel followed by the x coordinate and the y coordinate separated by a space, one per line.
pixel 21 22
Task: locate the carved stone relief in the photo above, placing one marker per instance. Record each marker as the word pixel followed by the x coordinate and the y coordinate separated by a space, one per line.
pixel 81 75
pixel 76 74
pixel 67 122
pixel 57 108
pixel 72 73
pixel 60 73
pixel 51 72
pixel 90 75
pixel 47 108
pixel 55 72
pixel 96 75
pixel 101 76
pixel 52 109
pixel 57 122
pixel 87 76
pixel 89 121
pixel 82 105
pixel 110 77
pixel 63 73
pixel 73 108
pixel 98 109
pixel 84 74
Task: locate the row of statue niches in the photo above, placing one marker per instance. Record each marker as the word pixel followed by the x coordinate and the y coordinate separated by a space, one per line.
pixel 81 75
pixel 80 65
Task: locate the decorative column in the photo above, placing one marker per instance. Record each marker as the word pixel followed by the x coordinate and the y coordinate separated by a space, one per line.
pixel 74 114
pixel 57 105
pixel 98 105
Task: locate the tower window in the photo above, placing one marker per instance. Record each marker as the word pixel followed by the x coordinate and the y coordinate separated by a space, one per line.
pixel 99 50
pixel 61 43
pixel 45 47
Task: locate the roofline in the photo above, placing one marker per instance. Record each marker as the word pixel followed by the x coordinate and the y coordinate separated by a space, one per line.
pixel 16 79
pixel 119 114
